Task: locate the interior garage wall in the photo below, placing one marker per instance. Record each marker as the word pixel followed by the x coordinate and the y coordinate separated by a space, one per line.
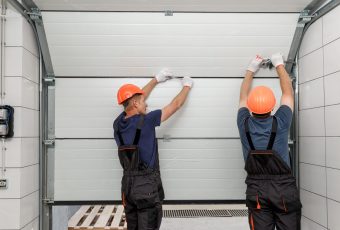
pixel 319 80
pixel 19 203
pixel 95 53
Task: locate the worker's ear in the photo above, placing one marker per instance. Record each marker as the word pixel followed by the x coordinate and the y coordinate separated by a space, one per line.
pixel 135 102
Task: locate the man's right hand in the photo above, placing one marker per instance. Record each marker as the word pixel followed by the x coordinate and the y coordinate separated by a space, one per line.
pixel 163 75
pixel 255 64
pixel 187 81
pixel 277 59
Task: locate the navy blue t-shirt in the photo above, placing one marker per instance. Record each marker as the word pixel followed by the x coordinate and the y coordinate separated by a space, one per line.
pixel 260 130
pixel 147 142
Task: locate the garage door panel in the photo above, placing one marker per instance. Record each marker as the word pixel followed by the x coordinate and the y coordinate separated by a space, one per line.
pixel 91 169
pixel 138 44
pixel 211 102
pixel 205 173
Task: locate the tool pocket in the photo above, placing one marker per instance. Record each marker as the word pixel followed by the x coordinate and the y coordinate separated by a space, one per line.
pixel 253 201
pixel 145 192
pixel 290 202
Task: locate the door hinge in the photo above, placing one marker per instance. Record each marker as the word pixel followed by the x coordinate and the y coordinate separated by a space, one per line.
pixel 169 13
pixel 49 142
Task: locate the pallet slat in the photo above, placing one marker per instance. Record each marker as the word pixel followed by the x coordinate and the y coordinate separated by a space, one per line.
pixel 104 217
pixel 73 222
pixel 117 218
pixel 99 218
pixel 90 217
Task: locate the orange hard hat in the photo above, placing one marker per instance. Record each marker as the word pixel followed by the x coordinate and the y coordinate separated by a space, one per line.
pixel 261 100
pixel 127 91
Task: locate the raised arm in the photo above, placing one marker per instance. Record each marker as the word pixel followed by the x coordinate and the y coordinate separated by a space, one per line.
pixel 285 81
pixel 162 76
pixel 248 79
pixel 179 100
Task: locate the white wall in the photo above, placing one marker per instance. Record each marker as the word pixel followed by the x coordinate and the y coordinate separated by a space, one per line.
pixel 319 83
pixel 19 204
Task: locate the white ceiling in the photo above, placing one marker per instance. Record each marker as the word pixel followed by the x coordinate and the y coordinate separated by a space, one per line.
pixel 175 5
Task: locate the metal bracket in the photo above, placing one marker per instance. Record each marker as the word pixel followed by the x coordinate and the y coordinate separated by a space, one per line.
pixel 48 201
pixel 35 14
pixel 49 142
pixel 49 79
pixel 305 17
pixel 169 13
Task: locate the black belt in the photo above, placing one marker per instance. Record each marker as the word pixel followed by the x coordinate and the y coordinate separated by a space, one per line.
pixel 140 173
pixel 270 177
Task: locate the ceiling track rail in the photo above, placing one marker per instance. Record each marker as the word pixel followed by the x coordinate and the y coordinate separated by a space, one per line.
pixel 29 10
pixel 308 16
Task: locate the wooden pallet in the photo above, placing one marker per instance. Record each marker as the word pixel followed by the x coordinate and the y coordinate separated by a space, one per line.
pixel 98 217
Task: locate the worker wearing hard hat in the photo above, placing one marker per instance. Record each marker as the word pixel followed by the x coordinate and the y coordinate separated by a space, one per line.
pixel 272 197
pixel 134 132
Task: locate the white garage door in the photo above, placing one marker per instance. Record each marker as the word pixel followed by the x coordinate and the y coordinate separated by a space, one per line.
pixel 200 153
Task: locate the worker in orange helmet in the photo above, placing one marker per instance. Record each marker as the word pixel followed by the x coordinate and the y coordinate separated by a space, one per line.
pixel 135 135
pixel 272 197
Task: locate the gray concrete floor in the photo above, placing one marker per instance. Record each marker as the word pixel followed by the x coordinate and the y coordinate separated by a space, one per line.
pixel 220 223
pixel 204 223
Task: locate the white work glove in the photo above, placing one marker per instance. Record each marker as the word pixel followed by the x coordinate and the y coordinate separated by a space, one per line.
pixel 255 64
pixel 187 81
pixel 277 59
pixel 163 75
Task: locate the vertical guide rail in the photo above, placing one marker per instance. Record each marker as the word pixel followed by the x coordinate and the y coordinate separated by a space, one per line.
pixel 3 43
pixel 3 80
pixel 315 10
pixel 32 14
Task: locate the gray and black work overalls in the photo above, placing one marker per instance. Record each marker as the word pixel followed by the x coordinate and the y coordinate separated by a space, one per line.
pixel 142 190
pixel 272 197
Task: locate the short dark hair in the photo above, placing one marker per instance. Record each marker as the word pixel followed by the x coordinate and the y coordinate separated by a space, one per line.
pixel 127 102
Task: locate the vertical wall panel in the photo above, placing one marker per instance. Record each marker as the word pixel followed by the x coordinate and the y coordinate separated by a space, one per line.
pixel 314 207
pixel 10 213
pixel 312 40
pixel 19 204
pixel 311 66
pixel 307 224
pixel 22 92
pixel 331 55
pixel 331 25
pixel 21 152
pixel 333 186
pixel 322 122
pixel 311 94
pixel 333 214
pixel 313 178
pixel 332 152
pixel 332 120
pixel 332 92
pixel 311 122
pixel 27 122
pixel 312 150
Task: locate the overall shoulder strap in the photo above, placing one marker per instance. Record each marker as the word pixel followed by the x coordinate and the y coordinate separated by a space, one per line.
pixel 273 134
pixel 118 134
pixel 246 126
pixel 138 131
